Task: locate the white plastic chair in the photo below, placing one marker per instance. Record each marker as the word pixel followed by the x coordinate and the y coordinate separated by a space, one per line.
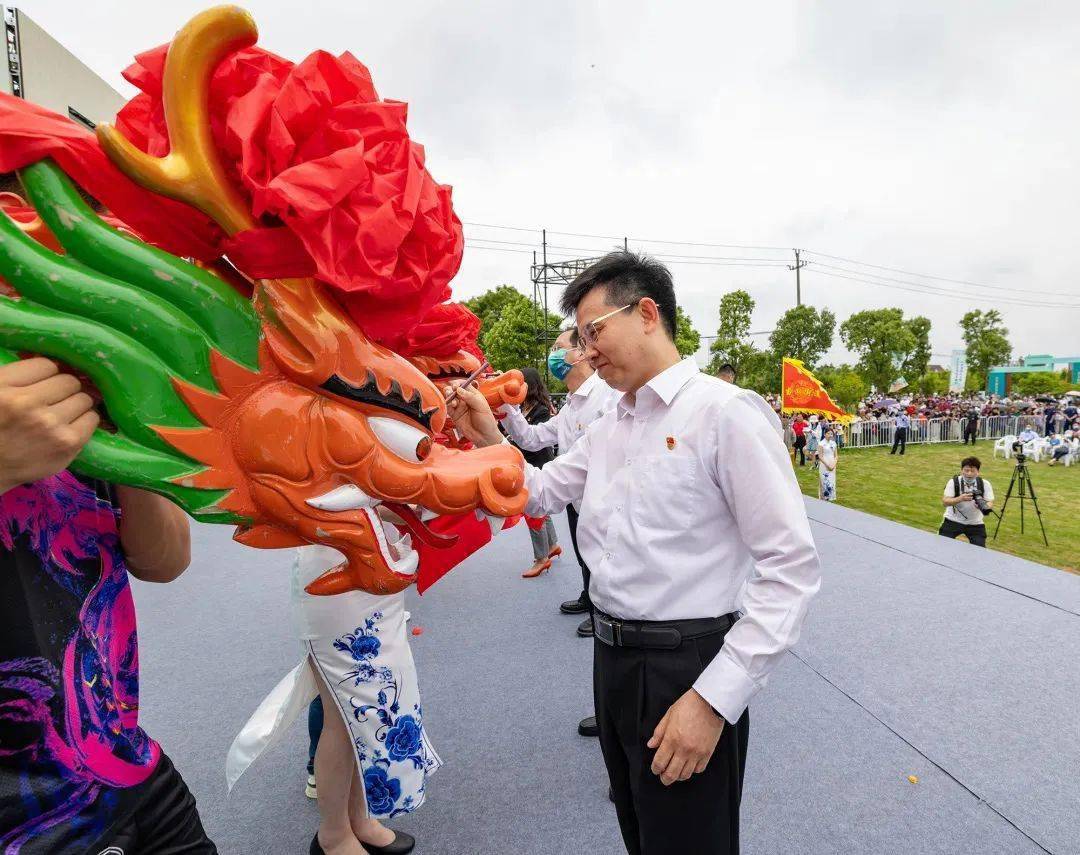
pixel 1032 448
pixel 1074 454
pixel 1004 445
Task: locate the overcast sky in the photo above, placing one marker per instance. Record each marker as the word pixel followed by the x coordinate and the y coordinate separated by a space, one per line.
pixel 934 137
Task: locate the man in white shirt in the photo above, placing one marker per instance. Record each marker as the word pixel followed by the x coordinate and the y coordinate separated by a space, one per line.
pixel 962 513
pixel 687 498
pixel 589 398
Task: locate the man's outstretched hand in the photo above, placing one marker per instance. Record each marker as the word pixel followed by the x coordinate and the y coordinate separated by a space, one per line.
pixel 472 416
pixel 45 420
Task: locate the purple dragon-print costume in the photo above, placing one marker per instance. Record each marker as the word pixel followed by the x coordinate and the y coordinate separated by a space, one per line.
pixel 69 722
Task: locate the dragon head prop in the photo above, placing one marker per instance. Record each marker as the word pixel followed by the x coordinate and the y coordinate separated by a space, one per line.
pixel 279 413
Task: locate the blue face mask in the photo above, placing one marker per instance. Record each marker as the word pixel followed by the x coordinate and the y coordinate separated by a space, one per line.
pixel 558 365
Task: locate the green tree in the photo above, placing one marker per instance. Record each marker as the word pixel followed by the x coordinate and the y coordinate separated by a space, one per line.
pixel 803 333
pixel 918 360
pixel 759 372
pixel 687 339
pixel 731 343
pixel 883 340
pixel 491 304
pixel 509 331
pixel 987 342
pixel 933 383
pixel 1039 383
pixel 847 388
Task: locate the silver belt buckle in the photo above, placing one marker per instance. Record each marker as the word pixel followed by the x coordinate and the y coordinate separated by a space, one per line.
pixel 612 636
pixel 615 629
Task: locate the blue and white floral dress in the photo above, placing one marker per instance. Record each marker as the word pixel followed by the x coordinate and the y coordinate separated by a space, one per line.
pixel 360 647
pixel 827 455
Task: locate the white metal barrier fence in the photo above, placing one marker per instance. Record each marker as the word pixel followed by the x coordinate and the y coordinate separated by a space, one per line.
pixel 880 432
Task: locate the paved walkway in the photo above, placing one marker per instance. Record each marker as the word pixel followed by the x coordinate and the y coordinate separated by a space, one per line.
pixel 922 656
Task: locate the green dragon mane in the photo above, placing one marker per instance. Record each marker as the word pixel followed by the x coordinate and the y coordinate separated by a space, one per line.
pixel 130 316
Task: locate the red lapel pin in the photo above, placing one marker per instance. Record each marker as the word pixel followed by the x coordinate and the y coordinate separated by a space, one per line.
pixel 671 443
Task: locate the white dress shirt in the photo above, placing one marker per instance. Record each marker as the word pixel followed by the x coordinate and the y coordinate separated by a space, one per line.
pixel 688 498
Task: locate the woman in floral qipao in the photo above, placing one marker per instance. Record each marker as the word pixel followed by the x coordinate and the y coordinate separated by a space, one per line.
pixel 374 757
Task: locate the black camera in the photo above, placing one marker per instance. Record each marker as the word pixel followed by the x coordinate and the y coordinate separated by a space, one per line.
pixel 980 500
pixel 977 495
pixel 1018 450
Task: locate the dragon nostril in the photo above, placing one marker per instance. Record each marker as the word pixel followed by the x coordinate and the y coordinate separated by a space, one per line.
pixel 508 480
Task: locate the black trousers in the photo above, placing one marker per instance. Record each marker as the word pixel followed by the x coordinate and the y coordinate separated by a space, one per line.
pixel 572 518
pixel 165 823
pixel 633 689
pixel 976 534
pixel 971 434
pixel 899 439
pixel 800 445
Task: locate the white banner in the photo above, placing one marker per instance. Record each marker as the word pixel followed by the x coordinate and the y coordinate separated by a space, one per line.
pixel 958 371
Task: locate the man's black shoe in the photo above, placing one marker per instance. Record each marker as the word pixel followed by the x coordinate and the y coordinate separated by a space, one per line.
pixel 574 607
pixel 588 726
pixel 585 628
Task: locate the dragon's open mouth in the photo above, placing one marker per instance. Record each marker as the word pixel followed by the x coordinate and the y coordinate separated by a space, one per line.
pixel 400 529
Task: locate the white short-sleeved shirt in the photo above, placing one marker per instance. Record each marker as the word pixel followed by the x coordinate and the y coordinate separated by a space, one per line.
pixel 966 513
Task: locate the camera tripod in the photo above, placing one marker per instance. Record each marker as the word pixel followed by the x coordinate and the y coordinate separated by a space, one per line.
pixel 1025 489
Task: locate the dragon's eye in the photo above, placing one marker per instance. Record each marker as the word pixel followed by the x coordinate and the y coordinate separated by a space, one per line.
pixel 404 440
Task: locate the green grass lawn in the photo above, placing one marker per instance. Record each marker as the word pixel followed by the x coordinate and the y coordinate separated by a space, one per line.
pixel 908 490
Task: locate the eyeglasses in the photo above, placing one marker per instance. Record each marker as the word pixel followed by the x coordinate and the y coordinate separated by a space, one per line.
pixel 591 331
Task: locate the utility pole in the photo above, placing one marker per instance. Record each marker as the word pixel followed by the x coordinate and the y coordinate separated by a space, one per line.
pixel 797 266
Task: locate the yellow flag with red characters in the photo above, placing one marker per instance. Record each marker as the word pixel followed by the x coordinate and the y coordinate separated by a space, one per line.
pixel 802 392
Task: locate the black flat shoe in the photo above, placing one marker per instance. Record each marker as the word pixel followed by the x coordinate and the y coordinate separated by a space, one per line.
pixel 585 629
pixel 588 726
pixel 401 844
pixel 573 607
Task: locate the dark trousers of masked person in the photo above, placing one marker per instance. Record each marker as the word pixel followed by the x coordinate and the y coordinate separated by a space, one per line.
pixel 572 519
pixel 899 439
pixel 971 433
pixel 639 670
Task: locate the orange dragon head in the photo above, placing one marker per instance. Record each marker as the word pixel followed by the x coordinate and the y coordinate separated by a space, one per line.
pixel 279 413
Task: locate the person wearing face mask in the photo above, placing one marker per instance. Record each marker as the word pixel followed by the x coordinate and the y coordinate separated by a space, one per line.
pixel 690 512
pixel 589 397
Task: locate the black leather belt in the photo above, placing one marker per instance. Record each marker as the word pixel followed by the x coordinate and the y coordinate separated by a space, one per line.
pixel 656 635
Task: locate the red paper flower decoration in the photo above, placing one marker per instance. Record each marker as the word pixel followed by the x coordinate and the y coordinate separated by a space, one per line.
pixel 315 147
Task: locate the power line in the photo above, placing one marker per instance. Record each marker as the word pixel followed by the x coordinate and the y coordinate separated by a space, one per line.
pixel 938 278
pixel 657 255
pixel 980 285
pixel 933 289
pixel 666 259
pixel 635 239
pixel 966 297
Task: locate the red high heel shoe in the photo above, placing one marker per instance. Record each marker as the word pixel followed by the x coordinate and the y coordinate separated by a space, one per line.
pixel 532 574
pixel 556 551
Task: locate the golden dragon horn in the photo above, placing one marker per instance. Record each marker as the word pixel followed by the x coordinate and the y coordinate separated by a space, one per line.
pixel 192 171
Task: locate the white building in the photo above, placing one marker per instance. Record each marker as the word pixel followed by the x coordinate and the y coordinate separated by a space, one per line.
pixel 42 70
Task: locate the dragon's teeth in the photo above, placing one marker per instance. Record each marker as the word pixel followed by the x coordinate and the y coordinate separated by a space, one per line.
pixel 346 498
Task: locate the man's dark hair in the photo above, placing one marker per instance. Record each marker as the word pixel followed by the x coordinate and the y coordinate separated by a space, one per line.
pixel 626 277
pixel 971 461
pixel 727 366
pixel 573 335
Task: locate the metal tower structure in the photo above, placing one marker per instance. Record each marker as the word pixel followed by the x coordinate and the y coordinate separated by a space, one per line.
pixel 547 273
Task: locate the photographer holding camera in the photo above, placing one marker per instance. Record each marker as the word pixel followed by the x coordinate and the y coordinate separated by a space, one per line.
pixel 968 498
